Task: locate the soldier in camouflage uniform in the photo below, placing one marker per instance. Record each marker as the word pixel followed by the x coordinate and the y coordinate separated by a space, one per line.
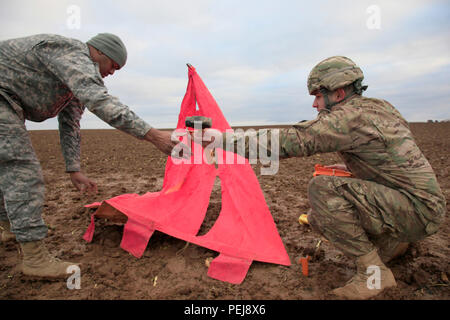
pixel 41 77
pixel 393 197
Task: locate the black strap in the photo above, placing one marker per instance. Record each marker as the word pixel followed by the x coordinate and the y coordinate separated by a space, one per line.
pixel 358 88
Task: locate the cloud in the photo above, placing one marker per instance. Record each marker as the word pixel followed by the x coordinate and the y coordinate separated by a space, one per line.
pixel 255 56
pixel 191 14
pixel 246 75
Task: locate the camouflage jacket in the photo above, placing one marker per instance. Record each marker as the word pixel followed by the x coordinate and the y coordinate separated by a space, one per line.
pixel 375 143
pixel 44 76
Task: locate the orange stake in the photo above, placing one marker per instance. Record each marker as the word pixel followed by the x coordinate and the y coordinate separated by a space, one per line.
pixel 323 171
pixel 304 263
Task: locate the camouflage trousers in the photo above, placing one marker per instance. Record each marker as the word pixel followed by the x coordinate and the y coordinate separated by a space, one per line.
pixel 21 181
pixel 357 216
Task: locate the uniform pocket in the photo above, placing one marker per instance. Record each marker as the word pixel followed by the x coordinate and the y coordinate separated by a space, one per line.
pixel 18 196
pixel 6 150
pixel 15 144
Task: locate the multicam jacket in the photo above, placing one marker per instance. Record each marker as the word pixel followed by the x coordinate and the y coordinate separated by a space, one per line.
pixel 375 143
pixel 44 76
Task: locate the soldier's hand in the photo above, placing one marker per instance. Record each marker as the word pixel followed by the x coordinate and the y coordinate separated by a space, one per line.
pixel 206 137
pixel 338 167
pixel 83 183
pixel 161 139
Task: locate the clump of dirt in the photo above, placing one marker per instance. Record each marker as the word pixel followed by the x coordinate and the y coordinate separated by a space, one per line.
pixel 172 269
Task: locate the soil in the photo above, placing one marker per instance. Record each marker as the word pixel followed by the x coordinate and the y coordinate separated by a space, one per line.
pixel 172 269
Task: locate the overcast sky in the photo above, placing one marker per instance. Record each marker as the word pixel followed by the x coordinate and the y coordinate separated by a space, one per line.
pixel 254 56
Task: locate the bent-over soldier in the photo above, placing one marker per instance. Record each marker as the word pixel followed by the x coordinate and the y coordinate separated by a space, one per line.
pixel 44 76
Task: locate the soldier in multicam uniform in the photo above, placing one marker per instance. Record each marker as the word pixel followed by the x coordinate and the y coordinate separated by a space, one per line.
pixel 41 77
pixel 393 197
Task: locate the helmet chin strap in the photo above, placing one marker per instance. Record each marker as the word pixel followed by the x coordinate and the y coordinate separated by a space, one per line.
pixel 328 104
pixel 357 89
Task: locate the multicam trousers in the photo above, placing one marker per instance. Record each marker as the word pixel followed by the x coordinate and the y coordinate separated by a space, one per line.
pixel 355 215
pixel 21 181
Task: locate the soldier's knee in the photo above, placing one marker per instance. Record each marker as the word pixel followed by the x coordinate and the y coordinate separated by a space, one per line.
pixel 313 220
pixel 323 183
pixel 317 187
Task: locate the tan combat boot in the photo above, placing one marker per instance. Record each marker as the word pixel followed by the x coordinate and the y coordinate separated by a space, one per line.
pixel 359 288
pixel 5 232
pixel 389 247
pixel 392 251
pixel 38 263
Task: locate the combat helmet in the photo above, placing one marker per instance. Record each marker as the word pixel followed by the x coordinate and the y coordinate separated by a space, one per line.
pixel 333 73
